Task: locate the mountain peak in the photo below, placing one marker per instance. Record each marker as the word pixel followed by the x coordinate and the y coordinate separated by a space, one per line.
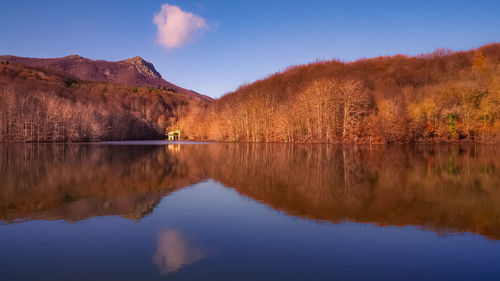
pixel 75 57
pixel 143 67
pixel 133 72
pixel 136 59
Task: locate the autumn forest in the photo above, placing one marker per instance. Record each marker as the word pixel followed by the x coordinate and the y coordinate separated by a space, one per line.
pixel 39 106
pixel 444 96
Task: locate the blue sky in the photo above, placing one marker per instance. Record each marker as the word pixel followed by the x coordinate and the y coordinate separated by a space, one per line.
pixel 244 40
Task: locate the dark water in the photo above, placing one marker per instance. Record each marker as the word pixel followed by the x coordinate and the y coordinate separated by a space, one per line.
pixel 249 212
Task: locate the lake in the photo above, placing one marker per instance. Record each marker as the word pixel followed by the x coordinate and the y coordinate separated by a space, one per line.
pixel 216 211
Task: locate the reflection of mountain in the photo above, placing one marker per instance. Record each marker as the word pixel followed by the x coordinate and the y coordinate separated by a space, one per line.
pixel 443 188
pixel 175 251
pixel 74 182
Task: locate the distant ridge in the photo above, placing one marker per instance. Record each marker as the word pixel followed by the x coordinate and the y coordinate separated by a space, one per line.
pixel 133 72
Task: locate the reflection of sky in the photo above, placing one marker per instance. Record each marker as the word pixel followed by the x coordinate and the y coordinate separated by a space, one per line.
pixel 174 252
pixel 240 239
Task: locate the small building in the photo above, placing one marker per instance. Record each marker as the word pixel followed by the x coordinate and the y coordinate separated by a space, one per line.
pixel 174 135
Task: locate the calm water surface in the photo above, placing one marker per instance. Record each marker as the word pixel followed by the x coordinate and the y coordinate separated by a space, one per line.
pixel 160 211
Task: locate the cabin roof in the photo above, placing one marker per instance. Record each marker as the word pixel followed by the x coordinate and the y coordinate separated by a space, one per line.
pixel 174 132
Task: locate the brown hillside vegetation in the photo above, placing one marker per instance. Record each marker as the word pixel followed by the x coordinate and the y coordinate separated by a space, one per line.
pixel 440 97
pixel 37 106
pixel 133 72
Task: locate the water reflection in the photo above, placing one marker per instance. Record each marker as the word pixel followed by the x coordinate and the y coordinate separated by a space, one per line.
pixel 441 188
pixel 175 251
pixel 74 182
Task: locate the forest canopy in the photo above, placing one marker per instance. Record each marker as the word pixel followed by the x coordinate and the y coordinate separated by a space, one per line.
pixel 38 106
pixel 445 96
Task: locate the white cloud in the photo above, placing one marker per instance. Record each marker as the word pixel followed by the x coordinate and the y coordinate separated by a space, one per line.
pixel 177 27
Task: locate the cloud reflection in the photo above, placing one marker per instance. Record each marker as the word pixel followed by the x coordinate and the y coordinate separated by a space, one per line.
pixel 174 251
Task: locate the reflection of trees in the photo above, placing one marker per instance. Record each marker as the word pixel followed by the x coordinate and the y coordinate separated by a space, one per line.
pixel 74 182
pixel 356 185
pixel 174 251
pixel 395 185
pixel 434 187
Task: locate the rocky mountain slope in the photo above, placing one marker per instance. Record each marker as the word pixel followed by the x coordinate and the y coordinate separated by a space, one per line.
pixel 41 106
pixel 133 72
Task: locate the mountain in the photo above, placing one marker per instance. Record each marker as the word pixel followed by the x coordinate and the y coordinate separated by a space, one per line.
pixel 37 105
pixel 445 96
pixel 133 72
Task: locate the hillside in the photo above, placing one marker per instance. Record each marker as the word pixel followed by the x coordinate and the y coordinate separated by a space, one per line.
pixel 41 106
pixel 133 72
pixel 445 96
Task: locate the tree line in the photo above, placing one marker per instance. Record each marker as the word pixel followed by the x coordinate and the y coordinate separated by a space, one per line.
pixel 440 97
pixel 37 106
